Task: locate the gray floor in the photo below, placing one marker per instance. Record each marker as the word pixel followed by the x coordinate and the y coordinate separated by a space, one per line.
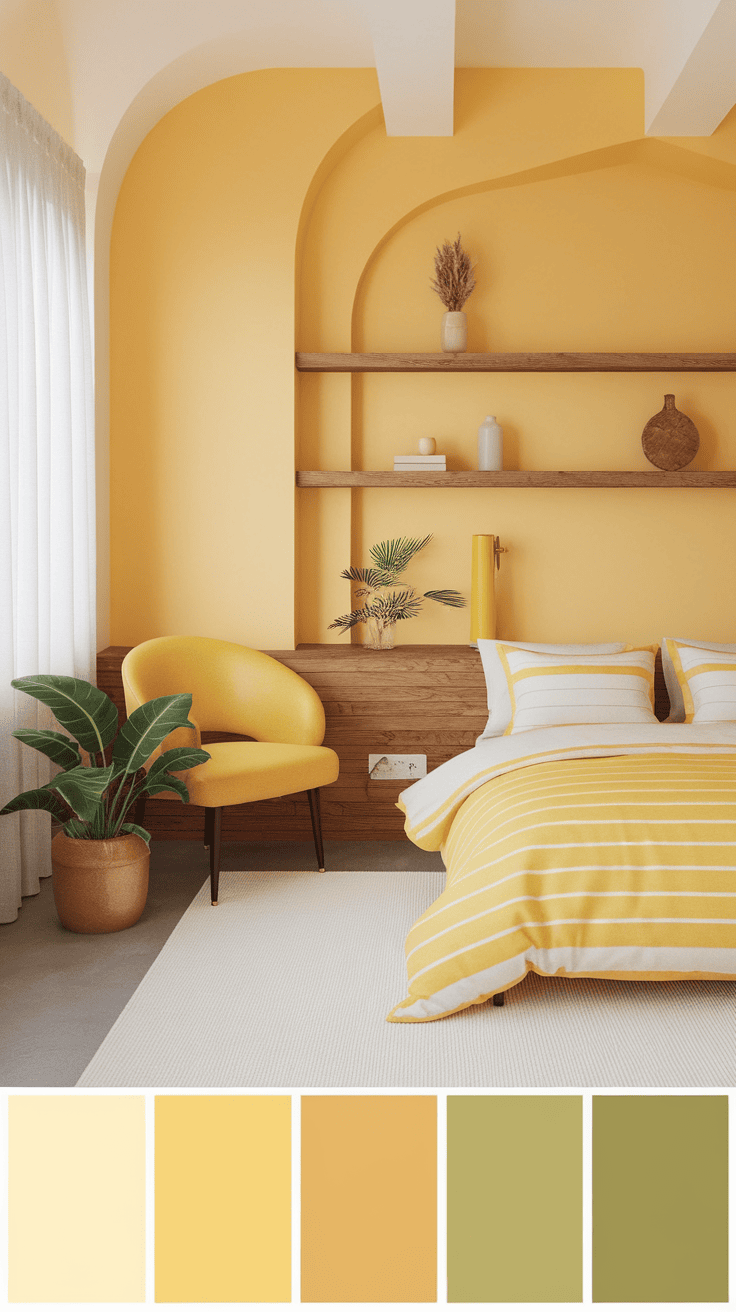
pixel 61 992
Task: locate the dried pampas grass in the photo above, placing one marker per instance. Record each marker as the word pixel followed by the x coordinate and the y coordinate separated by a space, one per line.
pixel 454 279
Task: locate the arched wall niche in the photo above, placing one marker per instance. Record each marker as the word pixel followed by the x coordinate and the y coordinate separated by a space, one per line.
pixel 597 249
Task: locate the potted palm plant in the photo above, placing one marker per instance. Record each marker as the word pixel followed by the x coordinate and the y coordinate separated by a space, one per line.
pixel 100 859
pixel 388 600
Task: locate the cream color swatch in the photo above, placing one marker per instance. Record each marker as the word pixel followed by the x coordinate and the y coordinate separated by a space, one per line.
pixel 76 1199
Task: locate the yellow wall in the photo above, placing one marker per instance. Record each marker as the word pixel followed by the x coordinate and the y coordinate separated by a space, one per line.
pixel 202 314
pixel 274 200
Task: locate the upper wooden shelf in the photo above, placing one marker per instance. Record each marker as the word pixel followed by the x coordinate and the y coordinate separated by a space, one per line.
pixel 519 478
pixel 515 362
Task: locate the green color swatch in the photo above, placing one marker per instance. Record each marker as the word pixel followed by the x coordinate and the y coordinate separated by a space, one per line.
pixel 660 1199
pixel 514 1199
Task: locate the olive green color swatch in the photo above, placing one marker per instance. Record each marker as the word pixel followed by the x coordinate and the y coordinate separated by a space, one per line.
pixel 660 1199
pixel 514 1199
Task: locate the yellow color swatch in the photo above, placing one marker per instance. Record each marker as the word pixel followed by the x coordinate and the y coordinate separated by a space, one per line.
pixel 76 1199
pixel 223 1199
pixel 369 1199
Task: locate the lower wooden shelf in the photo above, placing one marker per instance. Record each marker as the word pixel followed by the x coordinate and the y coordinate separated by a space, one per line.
pixel 519 478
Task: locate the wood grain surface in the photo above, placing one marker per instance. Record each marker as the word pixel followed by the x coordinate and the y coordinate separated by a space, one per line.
pixel 515 362
pixel 428 699
pixel 670 440
pixel 546 478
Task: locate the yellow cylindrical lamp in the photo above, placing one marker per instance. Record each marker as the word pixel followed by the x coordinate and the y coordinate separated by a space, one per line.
pixel 482 595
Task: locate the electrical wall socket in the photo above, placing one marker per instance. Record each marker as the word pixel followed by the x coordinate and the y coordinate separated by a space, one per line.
pixel 397 767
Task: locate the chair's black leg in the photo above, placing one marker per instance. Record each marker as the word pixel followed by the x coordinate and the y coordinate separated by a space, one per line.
pixel 209 815
pixel 313 795
pixel 139 811
pixel 216 823
pixel 498 999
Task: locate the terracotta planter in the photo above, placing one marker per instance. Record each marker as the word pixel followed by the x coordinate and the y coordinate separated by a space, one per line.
pixel 100 885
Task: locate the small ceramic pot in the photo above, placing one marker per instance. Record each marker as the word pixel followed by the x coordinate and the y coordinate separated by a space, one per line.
pixel 454 330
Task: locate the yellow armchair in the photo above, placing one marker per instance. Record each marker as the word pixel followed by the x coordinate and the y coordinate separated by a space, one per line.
pixel 236 690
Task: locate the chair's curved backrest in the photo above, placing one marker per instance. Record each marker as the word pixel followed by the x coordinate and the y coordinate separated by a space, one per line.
pixel 234 689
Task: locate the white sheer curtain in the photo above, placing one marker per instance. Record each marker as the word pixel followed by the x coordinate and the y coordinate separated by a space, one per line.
pixel 47 535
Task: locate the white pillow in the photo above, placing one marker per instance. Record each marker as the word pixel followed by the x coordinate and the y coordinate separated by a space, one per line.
pixel 548 691
pixel 497 689
pixel 707 680
pixel 677 705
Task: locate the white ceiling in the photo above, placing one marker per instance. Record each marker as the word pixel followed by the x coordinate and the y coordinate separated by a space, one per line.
pixel 137 58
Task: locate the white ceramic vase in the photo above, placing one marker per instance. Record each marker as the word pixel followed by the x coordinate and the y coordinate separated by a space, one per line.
pixel 490 444
pixel 454 331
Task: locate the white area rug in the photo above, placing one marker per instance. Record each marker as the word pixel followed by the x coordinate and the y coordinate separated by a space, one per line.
pixel 287 983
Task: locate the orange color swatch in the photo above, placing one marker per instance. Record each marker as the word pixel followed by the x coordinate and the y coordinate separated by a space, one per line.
pixel 369 1199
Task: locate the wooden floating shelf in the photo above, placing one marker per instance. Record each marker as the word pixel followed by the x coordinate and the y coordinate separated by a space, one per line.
pixel 518 478
pixel 515 362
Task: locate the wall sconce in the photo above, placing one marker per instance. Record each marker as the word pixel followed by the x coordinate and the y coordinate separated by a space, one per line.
pixel 486 560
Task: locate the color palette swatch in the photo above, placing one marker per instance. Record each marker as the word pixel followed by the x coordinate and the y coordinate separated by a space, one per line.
pixel 76 1199
pixel 507 1158
pixel 223 1199
pixel 369 1199
pixel 660 1199
pixel 228 1175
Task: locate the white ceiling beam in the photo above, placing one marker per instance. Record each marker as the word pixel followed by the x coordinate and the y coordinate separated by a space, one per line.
pixel 414 51
pixel 691 83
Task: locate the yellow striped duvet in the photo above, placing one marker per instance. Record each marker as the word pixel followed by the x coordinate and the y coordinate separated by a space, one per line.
pixel 609 856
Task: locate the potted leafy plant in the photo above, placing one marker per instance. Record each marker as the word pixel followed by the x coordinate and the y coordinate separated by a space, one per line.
pixel 100 859
pixel 386 600
pixel 453 282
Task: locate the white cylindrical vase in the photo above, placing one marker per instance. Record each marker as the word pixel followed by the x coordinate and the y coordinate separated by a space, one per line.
pixel 454 334
pixel 490 444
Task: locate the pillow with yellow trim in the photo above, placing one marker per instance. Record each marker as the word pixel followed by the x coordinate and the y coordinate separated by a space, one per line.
pixel 499 706
pixel 707 680
pixel 677 706
pixel 546 691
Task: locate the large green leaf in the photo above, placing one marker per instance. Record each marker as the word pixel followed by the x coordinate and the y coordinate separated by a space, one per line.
pixel 82 788
pixel 448 597
pixel 345 622
pixel 178 758
pixel 81 709
pixel 404 605
pixel 147 727
pixel 136 829
pixel 373 578
pixel 38 799
pixel 165 783
pixel 394 556
pixel 61 749
pixel 77 829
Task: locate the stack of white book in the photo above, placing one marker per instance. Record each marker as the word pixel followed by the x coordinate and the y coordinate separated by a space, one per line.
pixel 425 464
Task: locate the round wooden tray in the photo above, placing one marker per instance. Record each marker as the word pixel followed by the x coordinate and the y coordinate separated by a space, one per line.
pixel 670 440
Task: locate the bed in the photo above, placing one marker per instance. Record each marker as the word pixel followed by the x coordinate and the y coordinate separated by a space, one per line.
pixel 582 835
